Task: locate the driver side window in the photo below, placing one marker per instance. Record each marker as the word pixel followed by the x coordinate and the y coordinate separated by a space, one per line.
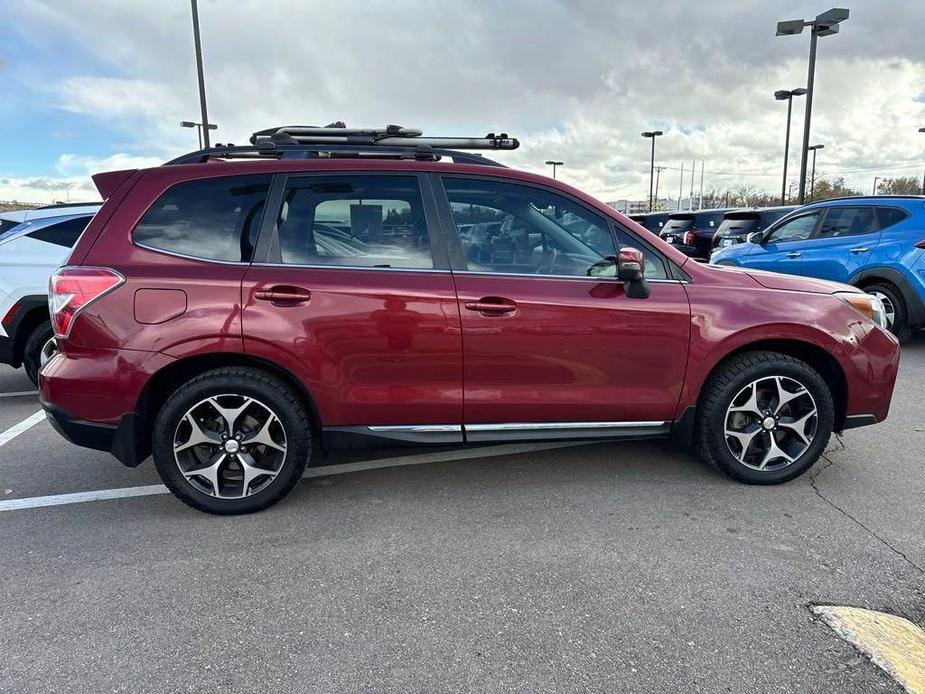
pixel 798 229
pixel 512 229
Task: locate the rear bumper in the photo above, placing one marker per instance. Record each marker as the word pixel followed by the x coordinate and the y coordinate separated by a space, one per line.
pixel 120 440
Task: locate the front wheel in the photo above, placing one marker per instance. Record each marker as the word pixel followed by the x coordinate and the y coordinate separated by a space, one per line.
pixel 233 440
pixel 894 306
pixel 764 418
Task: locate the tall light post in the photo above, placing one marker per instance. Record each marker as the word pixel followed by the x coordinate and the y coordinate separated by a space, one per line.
pixel 812 188
pixel 554 164
pixel 824 24
pixel 204 130
pixel 922 130
pixel 652 134
pixel 199 127
pixel 787 95
pixel 658 175
pixel 876 179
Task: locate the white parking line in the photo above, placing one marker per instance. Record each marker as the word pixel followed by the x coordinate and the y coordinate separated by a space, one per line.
pixel 447 456
pixel 19 394
pixel 24 425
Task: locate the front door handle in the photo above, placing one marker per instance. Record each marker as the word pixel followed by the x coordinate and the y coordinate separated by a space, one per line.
pixel 794 254
pixel 492 306
pixel 860 249
pixel 284 295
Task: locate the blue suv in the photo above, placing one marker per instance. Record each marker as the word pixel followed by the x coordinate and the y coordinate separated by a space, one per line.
pixel 874 243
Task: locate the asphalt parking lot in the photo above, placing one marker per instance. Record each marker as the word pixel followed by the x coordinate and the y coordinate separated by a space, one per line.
pixel 604 567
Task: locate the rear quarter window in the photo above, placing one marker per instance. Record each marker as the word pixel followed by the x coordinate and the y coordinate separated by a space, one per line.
pixel 64 234
pixel 210 219
pixel 889 216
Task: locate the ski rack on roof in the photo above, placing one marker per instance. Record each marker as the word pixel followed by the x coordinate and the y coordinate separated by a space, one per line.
pixel 338 141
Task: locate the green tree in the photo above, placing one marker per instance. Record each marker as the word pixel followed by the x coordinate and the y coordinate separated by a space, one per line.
pixel 902 185
pixel 831 187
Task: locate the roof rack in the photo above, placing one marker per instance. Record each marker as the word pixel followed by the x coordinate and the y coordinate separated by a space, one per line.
pixel 338 141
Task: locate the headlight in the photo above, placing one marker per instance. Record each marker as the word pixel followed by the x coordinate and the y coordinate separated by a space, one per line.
pixel 867 304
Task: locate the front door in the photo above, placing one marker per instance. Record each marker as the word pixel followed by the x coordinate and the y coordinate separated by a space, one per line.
pixel 548 350
pixel 354 299
pixel 783 247
pixel 842 243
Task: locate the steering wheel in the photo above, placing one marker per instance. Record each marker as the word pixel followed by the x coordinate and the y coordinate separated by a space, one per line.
pixel 546 265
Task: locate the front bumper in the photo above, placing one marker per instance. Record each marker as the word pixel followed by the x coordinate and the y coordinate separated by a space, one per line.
pixel 120 440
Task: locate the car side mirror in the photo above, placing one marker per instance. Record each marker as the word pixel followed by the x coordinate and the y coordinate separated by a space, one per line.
pixel 631 269
pixel 755 237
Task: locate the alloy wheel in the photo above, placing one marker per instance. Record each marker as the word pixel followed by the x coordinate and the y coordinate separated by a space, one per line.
pixel 230 446
pixel 770 423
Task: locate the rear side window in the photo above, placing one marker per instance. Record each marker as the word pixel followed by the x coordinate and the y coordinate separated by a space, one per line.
pixel 890 215
pixel 211 219
pixel 63 234
pixel 847 221
pixel 355 221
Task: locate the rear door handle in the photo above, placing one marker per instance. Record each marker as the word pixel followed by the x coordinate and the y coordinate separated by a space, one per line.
pixel 492 305
pixel 794 254
pixel 284 296
pixel 860 249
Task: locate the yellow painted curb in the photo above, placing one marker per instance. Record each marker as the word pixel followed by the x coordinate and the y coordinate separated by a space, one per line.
pixel 893 643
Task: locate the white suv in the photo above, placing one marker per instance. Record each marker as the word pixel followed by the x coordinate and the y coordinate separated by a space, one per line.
pixel 33 243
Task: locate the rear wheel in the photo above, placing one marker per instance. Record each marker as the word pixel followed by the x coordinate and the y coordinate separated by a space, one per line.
pixel 232 440
pixel 764 418
pixel 897 317
pixel 39 348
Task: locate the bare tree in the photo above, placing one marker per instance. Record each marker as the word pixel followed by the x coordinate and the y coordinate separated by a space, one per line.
pixel 902 185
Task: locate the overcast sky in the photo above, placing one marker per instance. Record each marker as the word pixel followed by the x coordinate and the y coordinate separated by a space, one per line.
pixel 93 85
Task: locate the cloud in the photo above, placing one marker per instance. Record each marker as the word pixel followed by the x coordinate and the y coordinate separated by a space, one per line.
pixel 575 80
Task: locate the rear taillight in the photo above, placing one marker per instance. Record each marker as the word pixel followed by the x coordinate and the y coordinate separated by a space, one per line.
pixel 71 289
pixel 689 237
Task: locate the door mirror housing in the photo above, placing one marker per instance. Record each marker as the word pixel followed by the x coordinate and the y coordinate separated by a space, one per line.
pixel 755 237
pixel 631 269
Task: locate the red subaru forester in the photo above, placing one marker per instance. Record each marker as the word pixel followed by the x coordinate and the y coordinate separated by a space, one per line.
pixel 328 288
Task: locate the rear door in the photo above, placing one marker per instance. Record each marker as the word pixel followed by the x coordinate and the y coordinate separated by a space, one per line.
pixel 548 350
pixel 842 244
pixel 353 295
pixel 783 247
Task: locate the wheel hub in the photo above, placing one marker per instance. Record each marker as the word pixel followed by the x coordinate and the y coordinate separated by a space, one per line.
pixel 232 446
pixel 769 423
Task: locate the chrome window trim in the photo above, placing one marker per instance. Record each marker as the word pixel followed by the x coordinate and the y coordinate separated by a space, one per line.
pixel 561 277
pixel 350 267
pixel 188 257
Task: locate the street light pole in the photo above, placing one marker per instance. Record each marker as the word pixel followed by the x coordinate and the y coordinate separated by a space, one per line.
pixel 199 129
pixel 787 95
pixel 922 130
pixel 652 134
pixel 554 164
pixel 824 24
pixel 876 178
pixel 204 131
pixel 812 189
pixel 658 175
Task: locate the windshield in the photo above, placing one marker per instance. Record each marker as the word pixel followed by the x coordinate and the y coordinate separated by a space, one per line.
pixel 739 225
pixel 676 225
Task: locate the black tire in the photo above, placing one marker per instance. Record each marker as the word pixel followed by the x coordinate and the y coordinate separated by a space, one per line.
pixel 289 408
pixel 32 350
pixel 726 382
pixel 900 327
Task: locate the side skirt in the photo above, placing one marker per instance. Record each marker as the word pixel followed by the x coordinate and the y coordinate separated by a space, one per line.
pixel 341 438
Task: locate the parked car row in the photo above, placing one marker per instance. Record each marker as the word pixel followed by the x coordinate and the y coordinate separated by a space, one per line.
pixel 232 318
pixel 875 243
